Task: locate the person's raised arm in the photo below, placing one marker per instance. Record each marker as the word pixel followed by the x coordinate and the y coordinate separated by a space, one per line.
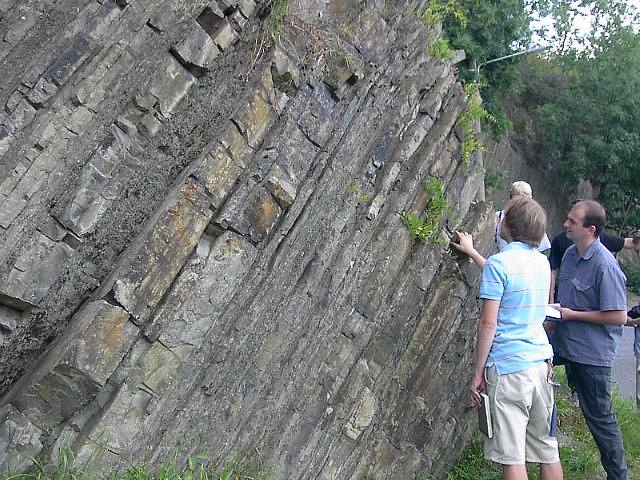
pixel 633 243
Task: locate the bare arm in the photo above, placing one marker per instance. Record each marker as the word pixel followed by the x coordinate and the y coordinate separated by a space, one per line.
pixel 633 243
pixel 552 287
pixel 610 317
pixel 465 245
pixel 486 333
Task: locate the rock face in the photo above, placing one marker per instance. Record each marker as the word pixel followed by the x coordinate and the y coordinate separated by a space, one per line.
pixel 201 241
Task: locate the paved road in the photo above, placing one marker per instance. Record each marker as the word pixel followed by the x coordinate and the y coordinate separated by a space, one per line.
pixel 624 368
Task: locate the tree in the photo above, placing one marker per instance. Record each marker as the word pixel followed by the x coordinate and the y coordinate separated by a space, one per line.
pixel 590 126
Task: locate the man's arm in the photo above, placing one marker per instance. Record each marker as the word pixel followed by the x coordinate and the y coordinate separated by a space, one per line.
pixel 609 317
pixel 633 243
pixel 465 245
pixel 552 287
pixel 486 333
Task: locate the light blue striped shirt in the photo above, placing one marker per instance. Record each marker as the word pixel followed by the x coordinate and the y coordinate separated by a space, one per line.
pixel 519 277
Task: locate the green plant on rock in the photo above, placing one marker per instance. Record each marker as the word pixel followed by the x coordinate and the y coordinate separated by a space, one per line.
pixel 363 197
pixel 437 207
pixel 435 13
pixel 474 112
pixel 279 9
pixel 438 10
pixel 354 188
pixel 440 50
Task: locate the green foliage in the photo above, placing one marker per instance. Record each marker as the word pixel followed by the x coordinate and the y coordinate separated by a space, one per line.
pixel 437 207
pixel 587 111
pixel 363 197
pixel 484 30
pixel 633 276
pixel 494 179
pixel 279 9
pixel 492 29
pixel 353 186
pixel 497 121
pixel 473 113
pixel 194 469
pixel 440 50
pixel 437 11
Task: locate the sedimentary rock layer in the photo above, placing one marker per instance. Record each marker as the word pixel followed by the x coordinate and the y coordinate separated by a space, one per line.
pixel 201 242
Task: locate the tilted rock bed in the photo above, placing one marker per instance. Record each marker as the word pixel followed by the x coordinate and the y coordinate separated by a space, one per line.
pixel 201 242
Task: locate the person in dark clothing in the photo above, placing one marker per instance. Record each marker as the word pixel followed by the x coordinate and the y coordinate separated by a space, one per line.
pixel 561 243
pixel 633 320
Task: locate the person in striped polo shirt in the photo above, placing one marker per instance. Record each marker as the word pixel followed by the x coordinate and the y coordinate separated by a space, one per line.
pixel 513 354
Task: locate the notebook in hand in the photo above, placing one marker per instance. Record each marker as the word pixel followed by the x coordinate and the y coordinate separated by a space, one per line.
pixel 484 416
pixel 553 315
pixel 553 427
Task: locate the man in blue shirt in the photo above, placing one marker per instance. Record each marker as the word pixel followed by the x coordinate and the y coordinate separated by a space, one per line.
pixel 592 295
pixel 513 353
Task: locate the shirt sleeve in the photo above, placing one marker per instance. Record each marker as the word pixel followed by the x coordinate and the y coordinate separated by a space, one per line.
pixel 613 290
pixel 544 244
pixel 493 278
pixel 555 257
pixel 613 243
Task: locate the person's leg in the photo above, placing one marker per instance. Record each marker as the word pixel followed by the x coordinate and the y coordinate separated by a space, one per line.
pixel 541 447
pixel 514 472
pixel 509 413
pixel 551 471
pixel 593 386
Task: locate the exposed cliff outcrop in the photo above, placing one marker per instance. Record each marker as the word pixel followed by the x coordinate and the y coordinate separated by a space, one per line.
pixel 201 241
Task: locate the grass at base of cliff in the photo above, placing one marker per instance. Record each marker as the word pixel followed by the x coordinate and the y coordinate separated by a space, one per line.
pixel 193 470
pixel 578 453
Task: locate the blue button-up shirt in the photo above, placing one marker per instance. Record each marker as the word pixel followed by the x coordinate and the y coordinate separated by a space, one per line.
pixel 519 278
pixel 589 282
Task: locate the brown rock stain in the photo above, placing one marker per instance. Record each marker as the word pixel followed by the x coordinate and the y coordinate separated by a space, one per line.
pixel 267 213
pixel 113 332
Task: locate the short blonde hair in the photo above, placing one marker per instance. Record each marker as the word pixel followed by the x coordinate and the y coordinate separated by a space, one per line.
pixel 520 189
pixel 526 220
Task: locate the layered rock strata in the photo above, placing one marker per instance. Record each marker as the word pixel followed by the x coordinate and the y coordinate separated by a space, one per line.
pixel 202 244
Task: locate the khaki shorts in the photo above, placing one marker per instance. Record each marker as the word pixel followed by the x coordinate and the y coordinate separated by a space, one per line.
pixel 521 407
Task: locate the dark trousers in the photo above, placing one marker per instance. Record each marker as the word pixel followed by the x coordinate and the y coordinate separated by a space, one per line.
pixel 593 386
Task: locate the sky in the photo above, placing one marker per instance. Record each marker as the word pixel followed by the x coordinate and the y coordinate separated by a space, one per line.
pixel 582 24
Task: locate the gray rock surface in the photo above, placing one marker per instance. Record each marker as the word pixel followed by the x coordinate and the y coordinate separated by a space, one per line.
pixel 201 241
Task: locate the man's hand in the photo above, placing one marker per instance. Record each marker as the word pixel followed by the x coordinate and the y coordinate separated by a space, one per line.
pixel 632 322
pixel 475 387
